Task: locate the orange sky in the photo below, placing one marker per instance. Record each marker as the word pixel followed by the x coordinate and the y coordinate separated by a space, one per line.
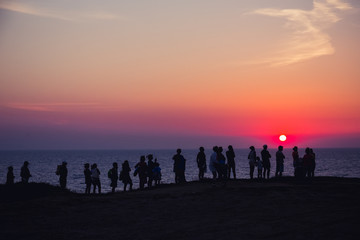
pixel 242 71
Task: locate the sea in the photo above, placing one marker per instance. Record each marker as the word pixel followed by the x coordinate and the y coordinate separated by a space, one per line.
pixel 336 162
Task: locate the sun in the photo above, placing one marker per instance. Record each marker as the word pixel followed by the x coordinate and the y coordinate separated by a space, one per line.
pixel 282 138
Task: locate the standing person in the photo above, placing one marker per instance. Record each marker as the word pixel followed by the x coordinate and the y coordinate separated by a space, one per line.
pixel 141 168
pixel 307 160
pixel 125 175
pixel 201 162
pixel 25 172
pixel 222 171
pixel 214 161
pixel 87 174
pixel 313 163
pixel 230 155
pixel 279 162
pixel 259 165
pixel 113 175
pixel 95 178
pixel 265 155
pixel 179 167
pixel 151 166
pixel 157 173
pixel 62 172
pixel 297 163
pixel 252 160
pixel 10 176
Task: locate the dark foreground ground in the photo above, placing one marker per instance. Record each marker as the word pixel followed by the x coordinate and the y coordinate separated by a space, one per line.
pixel 327 208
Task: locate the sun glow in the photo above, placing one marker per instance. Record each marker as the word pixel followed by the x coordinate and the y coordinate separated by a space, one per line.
pixel 282 138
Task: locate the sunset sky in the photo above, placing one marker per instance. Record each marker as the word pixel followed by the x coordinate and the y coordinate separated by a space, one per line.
pixel 92 74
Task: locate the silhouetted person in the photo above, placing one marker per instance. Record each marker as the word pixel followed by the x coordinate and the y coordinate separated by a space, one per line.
pixel 295 156
pixel 307 161
pixel 201 162
pixel 62 172
pixel 179 167
pixel 259 165
pixel 221 166
pixel 297 163
pixel 87 174
pixel 151 166
pixel 95 178
pixel 313 163
pixel 214 162
pixel 25 172
pixel 10 176
pixel 125 175
pixel 113 175
pixel 141 168
pixel 252 160
pixel 279 162
pixel 230 155
pixel 157 173
pixel 265 156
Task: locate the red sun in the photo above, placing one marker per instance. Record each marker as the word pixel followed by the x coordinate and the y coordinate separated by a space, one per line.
pixel 282 138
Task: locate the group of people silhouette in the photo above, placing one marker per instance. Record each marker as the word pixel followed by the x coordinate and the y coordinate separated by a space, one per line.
pixel 149 172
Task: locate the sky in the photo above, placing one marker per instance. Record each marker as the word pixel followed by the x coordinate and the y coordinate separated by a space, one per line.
pixel 162 74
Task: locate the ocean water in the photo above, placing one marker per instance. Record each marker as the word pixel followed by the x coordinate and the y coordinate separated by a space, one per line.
pixel 43 164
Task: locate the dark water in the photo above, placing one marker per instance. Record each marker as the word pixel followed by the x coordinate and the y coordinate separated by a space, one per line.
pixel 329 162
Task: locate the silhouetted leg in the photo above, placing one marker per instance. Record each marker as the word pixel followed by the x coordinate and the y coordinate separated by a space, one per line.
pixel 183 176
pixel 251 172
pixel 312 171
pixel 63 183
pixel 176 177
pixel 87 189
pixel 150 182
pixel 214 174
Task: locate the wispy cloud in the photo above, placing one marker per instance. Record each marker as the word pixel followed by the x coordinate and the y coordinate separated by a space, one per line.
pixel 308 40
pixel 65 107
pixel 51 107
pixel 55 13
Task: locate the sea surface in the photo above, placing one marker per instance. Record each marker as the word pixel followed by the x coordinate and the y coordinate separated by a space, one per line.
pixel 43 164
